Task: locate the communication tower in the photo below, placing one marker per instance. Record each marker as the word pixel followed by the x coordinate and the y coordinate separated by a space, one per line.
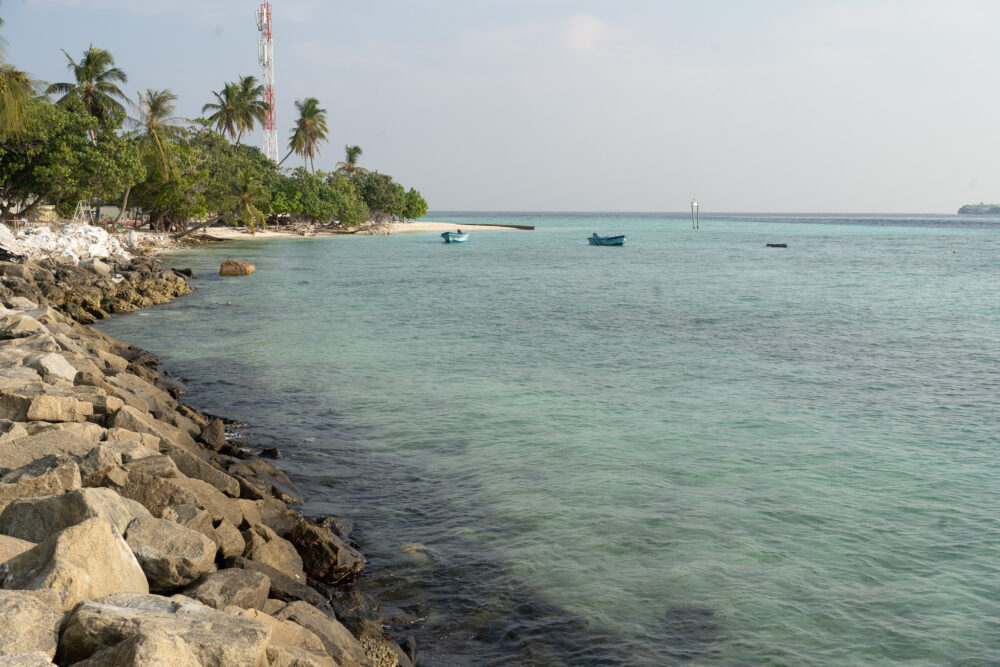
pixel 265 54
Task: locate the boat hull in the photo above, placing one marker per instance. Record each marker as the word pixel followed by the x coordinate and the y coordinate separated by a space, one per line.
pixel 607 240
pixel 452 237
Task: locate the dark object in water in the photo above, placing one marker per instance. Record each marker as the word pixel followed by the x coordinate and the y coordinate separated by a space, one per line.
pixel 777 245
pixel 184 273
pixel 270 453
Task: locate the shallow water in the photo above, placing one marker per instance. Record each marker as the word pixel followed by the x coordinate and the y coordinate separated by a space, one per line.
pixel 690 448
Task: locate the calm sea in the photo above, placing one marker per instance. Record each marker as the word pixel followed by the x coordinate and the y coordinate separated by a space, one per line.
pixel 693 448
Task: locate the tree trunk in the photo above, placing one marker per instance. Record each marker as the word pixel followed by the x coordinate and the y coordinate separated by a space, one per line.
pixel 128 189
pixel 286 157
pixel 28 210
pixel 192 230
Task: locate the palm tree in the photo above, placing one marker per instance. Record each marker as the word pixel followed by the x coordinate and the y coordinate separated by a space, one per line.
pixel 238 107
pixel 226 107
pixel 251 107
pixel 95 86
pixel 157 128
pixel 157 125
pixel 350 167
pixel 16 90
pixel 249 193
pixel 310 130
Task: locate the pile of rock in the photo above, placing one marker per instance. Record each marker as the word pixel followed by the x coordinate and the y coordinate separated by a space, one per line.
pixel 93 289
pixel 132 532
pixel 71 242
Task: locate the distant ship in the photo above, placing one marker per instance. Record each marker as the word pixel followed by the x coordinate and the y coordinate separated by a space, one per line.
pixel 980 209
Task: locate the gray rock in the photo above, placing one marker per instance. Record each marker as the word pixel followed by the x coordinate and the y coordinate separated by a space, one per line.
pixel 338 641
pixel 265 546
pixel 33 659
pixel 11 546
pixel 82 562
pixel 19 325
pixel 97 266
pixel 291 644
pixel 283 587
pixel 22 451
pixel 30 621
pixel 53 365
pixel 132 419
pixel 216 638
pixel 151 648
pixel 229 539
pixel 231 587
pixel 325 556
pixel 197 468
pixel 170 555
pixel 50 475
pixel 35 519
pixel 158 466
pixel 214 435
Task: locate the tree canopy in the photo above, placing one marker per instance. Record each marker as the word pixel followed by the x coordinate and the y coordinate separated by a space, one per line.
pixel 82 146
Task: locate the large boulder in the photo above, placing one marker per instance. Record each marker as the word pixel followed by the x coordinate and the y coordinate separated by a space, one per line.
pixel 132 419
pixel 33 659
pixel 157 493
pixel 35 519
pixel 22 451
pixel 338 641
pixel 151 648
pixel 325 557
pixel 30 621
pixel 52 366
pixel 48 476
pixel 236 267
pixel 291 644
pixel 82 562
pixel 197 468
pixel 216 638
pixel 263 545
pixel 170 555
pixel 214 434
pixel 283 587
pixel 11 546
pixel 231 587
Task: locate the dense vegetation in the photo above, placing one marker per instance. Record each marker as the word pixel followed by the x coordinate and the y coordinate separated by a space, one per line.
pixel 83 140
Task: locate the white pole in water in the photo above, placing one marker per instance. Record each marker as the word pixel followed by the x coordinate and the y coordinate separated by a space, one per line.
pixel 695 215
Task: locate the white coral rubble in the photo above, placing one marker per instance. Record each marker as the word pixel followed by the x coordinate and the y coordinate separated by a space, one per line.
pixel 73 241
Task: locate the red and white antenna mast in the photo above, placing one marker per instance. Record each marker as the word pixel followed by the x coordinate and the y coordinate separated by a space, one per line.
pixel 265 54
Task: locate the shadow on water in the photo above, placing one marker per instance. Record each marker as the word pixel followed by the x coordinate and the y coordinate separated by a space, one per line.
pixel 462 604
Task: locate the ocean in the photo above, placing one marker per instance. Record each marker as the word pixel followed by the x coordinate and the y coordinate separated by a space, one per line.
pixel 694 448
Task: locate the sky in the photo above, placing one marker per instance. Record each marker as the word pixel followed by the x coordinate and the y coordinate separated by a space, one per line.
pixel 592 105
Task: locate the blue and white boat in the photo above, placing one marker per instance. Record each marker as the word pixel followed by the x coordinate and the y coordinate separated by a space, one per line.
pixel 455 237
pixel 607 240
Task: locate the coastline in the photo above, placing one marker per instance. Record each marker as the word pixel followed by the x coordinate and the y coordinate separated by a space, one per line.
pixel 84 413
pixel 234 233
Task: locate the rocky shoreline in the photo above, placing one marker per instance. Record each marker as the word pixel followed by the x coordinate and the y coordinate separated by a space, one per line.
pixel 131 531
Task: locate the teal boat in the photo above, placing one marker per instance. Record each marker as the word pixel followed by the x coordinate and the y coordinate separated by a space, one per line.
pixel 455 237
pixel 607 240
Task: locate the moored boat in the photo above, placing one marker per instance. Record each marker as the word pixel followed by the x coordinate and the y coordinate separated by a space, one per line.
pixel 455 237
pixel 607 240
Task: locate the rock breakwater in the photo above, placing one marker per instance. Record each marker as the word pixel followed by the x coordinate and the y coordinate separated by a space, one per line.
pixel 131 531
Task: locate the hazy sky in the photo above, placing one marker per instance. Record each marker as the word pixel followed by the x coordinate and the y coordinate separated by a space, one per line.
pixel 604 105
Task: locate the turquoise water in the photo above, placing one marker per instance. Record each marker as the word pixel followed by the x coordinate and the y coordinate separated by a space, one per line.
pixel 690 448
